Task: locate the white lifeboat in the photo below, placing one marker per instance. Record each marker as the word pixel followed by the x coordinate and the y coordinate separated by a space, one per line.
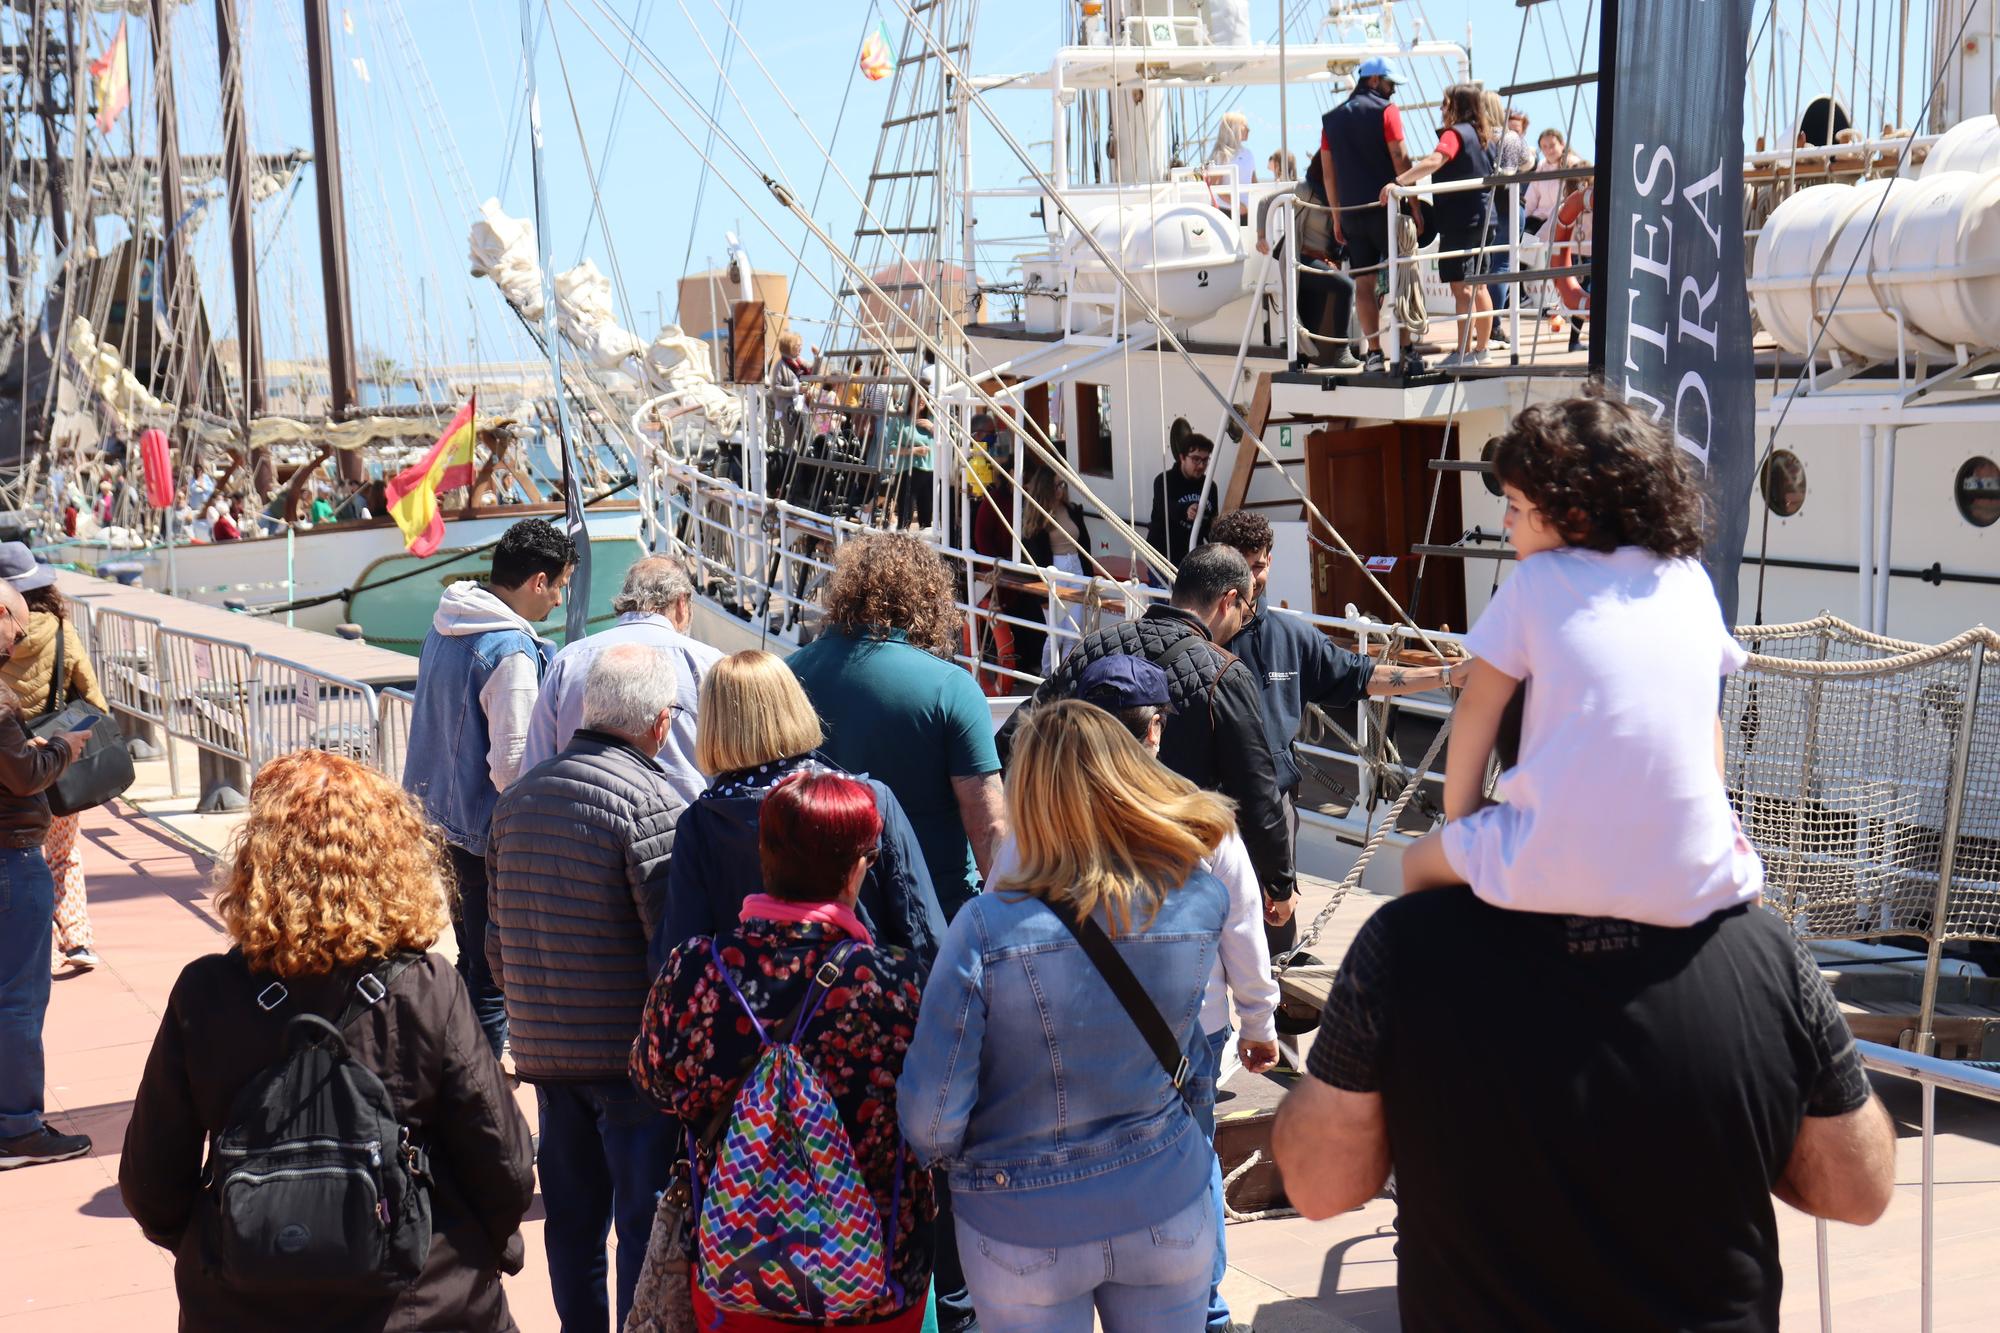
pixel 1183 256
pixel 1970 145
pixel 1816 261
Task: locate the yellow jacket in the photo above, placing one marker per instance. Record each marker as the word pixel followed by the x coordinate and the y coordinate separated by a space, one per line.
pixel 28 670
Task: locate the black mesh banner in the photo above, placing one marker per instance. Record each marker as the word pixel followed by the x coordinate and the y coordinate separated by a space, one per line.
pixel 1670 314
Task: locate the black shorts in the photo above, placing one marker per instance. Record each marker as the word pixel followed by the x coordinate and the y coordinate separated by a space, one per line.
pixel 1461 238
pixel 1367 233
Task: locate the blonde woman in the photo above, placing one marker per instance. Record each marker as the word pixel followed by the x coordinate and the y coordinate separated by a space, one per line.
pixel 757 728
pixel 334 874
pixel 1078 1172
pixel 1232 149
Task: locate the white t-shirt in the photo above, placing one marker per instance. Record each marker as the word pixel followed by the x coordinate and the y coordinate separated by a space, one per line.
pixel 1615 808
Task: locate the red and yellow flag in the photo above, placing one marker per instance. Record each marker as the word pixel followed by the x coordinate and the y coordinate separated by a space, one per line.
pixel 413 492
pixel 111 73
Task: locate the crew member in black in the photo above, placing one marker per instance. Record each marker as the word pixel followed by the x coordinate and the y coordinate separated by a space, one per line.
pixel 1360 151
pixel 1615 1168
pixel 1177 493
pixel 1462 217
pixel 1294 665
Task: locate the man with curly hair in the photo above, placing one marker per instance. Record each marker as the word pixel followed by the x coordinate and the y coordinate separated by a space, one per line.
pixel 898 709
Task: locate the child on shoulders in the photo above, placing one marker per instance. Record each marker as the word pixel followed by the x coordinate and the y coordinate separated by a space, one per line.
pixel 1616 806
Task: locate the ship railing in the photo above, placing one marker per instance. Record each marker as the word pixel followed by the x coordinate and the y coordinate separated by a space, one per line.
pixel 297 707
pixel 768 560
pixel 394 709
pixel 1929 1074
pixel 210 684
pixel 125 651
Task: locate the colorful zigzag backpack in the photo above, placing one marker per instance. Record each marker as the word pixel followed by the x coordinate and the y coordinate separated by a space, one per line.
pixel 785 1224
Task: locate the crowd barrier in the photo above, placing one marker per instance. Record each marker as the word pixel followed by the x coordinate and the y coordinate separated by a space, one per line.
pixel 241 705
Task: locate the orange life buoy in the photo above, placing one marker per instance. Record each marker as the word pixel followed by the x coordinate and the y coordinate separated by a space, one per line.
pixel 1568 290
pixel 999 635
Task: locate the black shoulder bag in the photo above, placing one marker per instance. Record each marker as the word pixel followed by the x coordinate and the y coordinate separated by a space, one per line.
pixel 104 770
pixel 1125 987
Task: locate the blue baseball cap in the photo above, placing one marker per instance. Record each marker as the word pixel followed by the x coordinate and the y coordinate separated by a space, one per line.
pixel 1122 681
pixel 1378 67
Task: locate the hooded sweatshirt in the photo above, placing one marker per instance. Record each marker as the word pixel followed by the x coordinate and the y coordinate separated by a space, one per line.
pixel 508 696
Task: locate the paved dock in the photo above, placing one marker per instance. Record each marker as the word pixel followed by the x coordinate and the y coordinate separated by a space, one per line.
pixel 273 637
pixel 72 1261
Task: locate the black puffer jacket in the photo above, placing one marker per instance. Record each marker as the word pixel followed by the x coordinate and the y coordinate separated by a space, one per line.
pixel 576 875
pixel 424 1043
pixel 1214 737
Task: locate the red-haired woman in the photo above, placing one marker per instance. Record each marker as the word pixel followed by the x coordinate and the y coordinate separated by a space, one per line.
pixel 817 835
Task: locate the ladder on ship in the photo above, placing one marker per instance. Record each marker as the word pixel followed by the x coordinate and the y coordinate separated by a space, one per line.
pixel 910 229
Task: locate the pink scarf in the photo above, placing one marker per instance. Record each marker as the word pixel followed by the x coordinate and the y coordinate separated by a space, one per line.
pixel 763 907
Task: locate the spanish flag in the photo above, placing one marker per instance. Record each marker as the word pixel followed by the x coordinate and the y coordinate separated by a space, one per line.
pixel 413 492
pixel 111 73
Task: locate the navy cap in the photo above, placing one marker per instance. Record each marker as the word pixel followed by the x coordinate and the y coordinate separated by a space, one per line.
pixel 1122 681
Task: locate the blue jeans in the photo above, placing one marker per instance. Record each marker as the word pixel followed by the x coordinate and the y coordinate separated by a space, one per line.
pixel 606 1155
pixel 1498 233
pixel 27 906
pixel 1211 1069
pixel 1153 1280
pixel 468 925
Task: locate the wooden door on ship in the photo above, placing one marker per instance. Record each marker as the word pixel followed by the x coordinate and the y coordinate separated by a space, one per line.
pixel 1375 483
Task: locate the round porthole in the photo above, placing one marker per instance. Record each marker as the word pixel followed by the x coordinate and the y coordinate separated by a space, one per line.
pixel 1783 482
pixel 1977 492
pixel 1486 456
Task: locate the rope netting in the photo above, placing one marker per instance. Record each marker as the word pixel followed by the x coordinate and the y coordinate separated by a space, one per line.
pixel 1866 770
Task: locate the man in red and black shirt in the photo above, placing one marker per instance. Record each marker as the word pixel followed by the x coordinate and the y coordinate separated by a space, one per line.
pixel 1360 151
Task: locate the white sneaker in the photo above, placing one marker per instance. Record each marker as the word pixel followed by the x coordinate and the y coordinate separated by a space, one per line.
pixel 1452 359
pixel 1478 357
pixel 80 958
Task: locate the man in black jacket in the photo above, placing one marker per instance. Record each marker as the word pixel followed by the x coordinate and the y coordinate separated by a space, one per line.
pixel 578 860
pixel 1295 665
pixel 1214 735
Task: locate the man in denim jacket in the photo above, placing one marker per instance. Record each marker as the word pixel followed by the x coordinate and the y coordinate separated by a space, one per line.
pixel 477 679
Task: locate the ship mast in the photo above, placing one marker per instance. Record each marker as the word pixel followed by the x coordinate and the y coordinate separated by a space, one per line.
pixel 242 244
pixel 183 307
pixel 342 388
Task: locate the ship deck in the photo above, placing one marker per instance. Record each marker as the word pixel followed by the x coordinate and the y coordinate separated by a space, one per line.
pixel 76 1262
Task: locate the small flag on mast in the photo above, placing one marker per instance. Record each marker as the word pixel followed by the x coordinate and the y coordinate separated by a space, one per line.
pixel 413 492
pixel 878 62
pixel 111 74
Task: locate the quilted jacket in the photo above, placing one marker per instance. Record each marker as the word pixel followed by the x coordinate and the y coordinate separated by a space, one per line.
pixel 1214 735
pixel 576 887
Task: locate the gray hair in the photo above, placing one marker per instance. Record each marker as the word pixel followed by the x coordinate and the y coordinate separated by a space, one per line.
pixel 652 585
pixel 628 687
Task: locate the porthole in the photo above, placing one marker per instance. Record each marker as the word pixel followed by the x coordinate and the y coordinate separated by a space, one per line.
pixel 1977 492
pixel 1783 481
pixel 1491 479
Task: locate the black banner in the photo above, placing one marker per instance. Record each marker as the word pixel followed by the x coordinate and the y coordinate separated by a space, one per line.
pixel 1669 312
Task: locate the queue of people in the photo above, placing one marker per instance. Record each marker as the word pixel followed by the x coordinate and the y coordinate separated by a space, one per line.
pixel 740 903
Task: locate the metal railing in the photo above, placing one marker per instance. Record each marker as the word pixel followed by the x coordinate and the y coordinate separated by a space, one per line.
pixel 126 654
pixel 210 685
pixel 393 711
pixel 1930 1074
pixel 295 707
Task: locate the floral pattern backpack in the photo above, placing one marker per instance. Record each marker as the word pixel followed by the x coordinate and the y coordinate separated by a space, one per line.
pixel 785 1225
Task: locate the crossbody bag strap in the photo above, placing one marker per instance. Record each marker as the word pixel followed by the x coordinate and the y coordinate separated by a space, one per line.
pixel 56 676
pixel 1125 987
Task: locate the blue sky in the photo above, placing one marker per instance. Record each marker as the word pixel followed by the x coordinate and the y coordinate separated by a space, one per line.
pixel 433 122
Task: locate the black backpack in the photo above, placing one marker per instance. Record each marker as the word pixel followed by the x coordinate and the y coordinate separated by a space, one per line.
pixel 313 1184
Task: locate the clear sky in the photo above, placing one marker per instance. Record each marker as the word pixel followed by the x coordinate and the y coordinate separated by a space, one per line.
pixel 433 116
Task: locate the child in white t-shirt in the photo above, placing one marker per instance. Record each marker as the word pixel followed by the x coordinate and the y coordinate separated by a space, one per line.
pixel 1616 806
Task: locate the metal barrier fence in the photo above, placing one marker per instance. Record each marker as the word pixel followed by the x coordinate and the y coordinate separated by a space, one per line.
pixel 1930 1074
pixel 392 731
pixel 125 651
pixel 294 707
pixel 210 685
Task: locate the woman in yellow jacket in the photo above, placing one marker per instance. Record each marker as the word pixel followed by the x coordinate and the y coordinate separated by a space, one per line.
pixel 28 672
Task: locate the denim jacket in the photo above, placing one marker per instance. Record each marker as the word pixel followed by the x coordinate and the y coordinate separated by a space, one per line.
pixel 1031 1084
pixel 447 767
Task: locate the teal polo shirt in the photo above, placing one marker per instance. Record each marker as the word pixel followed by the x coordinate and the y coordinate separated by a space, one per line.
pixel 913 722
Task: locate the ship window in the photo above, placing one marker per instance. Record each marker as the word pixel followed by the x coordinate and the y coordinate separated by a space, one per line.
pixel 1491 478
pixel 1093 429
pixel 1977 491
pixel 1783 481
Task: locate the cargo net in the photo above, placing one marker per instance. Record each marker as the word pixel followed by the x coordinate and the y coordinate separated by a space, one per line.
pixel 1848 761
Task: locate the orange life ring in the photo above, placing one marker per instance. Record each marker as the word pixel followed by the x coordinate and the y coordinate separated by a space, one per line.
pixel 993 684
pixel 1568 290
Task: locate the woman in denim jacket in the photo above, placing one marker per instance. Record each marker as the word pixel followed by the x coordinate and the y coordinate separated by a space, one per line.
pixel 1078 1175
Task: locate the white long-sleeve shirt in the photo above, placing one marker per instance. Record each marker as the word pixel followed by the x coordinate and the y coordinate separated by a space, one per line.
pixel 1242 969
